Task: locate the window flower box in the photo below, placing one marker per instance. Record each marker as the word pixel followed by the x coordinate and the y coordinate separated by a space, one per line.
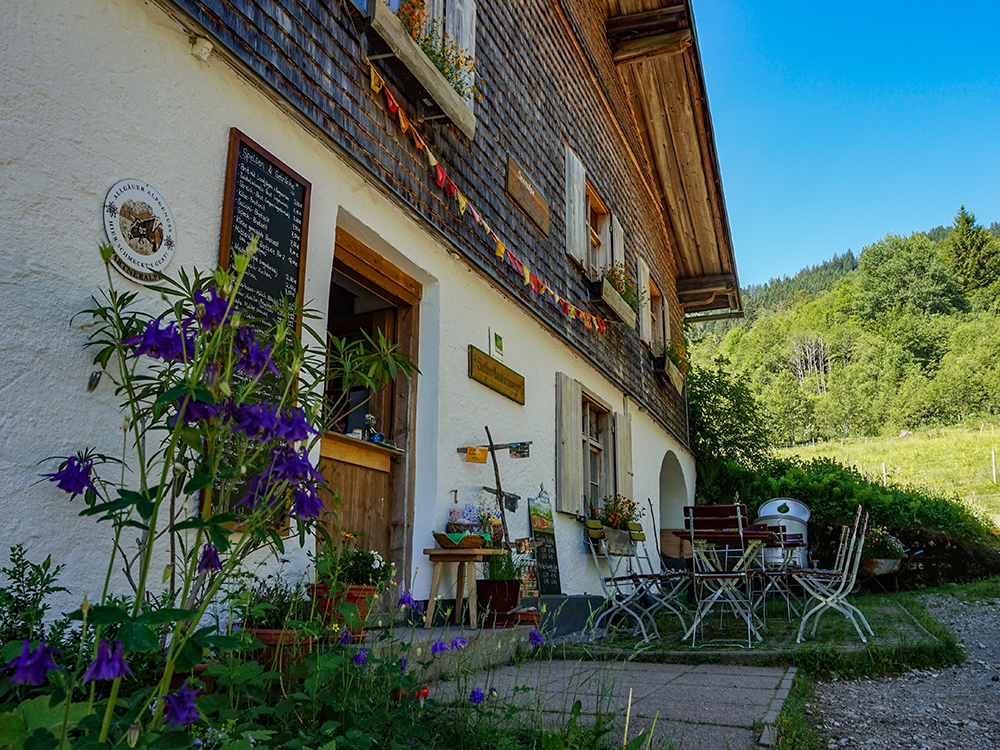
pixel 433 89
pixel 665 365
pixel 604 293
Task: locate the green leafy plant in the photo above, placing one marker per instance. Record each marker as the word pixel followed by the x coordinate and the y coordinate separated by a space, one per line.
pixel 677 352
pixel 22 599
pixel 352 565
pixel 503 568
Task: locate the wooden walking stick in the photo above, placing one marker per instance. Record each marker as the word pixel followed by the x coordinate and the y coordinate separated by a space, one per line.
pixel 500 496
pixel 656 531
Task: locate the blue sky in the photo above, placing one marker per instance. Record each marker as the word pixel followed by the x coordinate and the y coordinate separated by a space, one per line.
pixel 837 124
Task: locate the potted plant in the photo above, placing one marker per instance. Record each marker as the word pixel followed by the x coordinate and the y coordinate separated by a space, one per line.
pixel 616 291
pixel 882 553
pixel 500 592
pixel 273 614
pixel 615 513
pixel 349 574
pixel 674 361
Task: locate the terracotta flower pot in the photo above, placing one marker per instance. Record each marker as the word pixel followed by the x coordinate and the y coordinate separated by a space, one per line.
pixel 498 598
pixel 283 647
pixel 359 596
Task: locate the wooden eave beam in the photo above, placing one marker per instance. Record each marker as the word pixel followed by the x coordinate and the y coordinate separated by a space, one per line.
pixel 671 43
pixel 725 282
pixel 648 23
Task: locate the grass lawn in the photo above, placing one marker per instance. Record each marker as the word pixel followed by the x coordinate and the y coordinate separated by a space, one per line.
pixel 950 462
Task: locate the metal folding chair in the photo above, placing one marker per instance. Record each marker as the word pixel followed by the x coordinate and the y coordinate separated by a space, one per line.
pixel 829 588
pixel 623 588
pixel 664 588
pixel 722 573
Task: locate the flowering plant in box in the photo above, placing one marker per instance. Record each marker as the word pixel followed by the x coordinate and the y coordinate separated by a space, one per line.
pixel 616 511
pixel 454 63
pixel 618 276
pixel 353 565
pixel 881 544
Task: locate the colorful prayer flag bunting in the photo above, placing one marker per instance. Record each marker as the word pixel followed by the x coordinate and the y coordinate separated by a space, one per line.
pixel 377 82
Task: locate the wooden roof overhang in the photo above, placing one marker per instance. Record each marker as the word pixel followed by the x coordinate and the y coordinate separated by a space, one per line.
pixel 654 46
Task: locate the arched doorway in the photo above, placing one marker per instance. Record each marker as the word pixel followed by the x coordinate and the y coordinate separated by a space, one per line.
pixel 673 492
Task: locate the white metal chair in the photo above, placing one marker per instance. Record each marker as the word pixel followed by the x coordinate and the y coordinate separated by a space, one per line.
pixel 830 588
pixel 663 588
pixel 623 588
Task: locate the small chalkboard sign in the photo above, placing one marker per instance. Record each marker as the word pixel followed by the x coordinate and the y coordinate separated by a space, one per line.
pixel 267 199
pixel 544 533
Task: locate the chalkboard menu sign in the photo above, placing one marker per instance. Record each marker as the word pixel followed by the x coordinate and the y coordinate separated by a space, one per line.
pixel 267 199
pixel 544 533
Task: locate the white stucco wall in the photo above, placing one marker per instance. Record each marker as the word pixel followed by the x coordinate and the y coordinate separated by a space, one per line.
pixel 119 96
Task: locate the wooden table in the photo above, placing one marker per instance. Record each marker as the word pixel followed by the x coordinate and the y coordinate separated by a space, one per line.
pixel 466 558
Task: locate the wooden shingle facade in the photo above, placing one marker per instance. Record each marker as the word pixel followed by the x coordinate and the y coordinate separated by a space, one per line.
pixel 548 80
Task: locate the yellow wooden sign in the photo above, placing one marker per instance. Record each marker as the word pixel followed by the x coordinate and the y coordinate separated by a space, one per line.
pixel 486 370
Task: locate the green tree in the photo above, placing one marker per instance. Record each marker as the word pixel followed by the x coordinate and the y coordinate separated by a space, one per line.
pixel 789 408
pixel 727 422
pixel 972 252
pixel 901 273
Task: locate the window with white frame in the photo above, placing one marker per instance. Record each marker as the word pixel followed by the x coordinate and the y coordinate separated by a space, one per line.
pixel 459 19
pixel 596 430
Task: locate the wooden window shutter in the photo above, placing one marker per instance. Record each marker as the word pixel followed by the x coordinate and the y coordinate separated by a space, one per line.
pixel 645 310
pixel 577 234
pixel 617 241
pixel 623 455
pixel 569 445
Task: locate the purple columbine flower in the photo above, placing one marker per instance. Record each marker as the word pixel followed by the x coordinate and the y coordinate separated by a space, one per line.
pixel 476 696
pixel 179 708
pixel 439 646
pixel 294 466
pixel 108 665
pixel 254 358
pixel 402 663
pixel 535 638
pixel 161 343
pixel 257 421
pixel 459 643
pixel 361 657
pixel 294 425
pixel 209 558
pixel 30 667
pixel 307 503
pixel 211 310
pixel 345 637
pixel 197 411
pixel 261 490
pixel 74 477
pixel 406 600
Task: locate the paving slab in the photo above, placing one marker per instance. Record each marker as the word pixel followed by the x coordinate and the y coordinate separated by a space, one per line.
pixel 695 706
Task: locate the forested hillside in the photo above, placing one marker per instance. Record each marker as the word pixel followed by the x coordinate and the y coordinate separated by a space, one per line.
pixel 905 335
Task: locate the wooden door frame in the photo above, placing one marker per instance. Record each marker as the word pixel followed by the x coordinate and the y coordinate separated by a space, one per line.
pixel 365 267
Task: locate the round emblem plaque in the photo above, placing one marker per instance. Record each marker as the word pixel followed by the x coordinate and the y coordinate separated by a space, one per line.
pixel 140 229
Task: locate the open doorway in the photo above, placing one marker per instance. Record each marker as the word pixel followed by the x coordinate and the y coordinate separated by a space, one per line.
pixel 373 480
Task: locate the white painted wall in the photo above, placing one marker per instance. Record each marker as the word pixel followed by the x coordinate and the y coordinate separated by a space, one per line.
pixel 121 96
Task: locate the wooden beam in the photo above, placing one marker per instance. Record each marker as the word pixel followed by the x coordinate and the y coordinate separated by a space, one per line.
pixel 723 282
pixel 671 43
pixel 650 22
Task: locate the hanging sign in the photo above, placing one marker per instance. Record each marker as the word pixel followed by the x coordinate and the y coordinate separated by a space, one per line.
pixel 141 230
pixel 486 370
pixel 527 195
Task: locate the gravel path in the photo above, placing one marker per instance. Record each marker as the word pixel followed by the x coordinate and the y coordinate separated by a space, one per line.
pixel 924 709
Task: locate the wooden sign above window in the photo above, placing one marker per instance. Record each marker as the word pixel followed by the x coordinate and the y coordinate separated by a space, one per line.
pixel 527 195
